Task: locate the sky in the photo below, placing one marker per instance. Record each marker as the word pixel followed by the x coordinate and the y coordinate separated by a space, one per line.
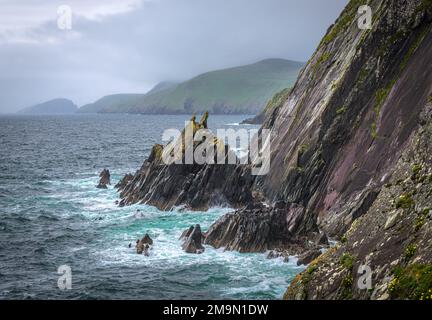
pixel 128 46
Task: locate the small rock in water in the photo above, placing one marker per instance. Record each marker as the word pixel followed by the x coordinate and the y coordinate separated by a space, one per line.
pixel 104 179
pixel 143 245
pixel 193 242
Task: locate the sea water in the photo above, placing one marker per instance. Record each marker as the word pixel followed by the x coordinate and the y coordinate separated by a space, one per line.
pixel 51 214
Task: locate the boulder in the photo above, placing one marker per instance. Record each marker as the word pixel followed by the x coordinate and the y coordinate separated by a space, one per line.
pixel 104 179
pixel 193 242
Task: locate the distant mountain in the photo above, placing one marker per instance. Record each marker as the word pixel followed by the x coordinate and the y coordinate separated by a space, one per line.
pixel 55 106
pixel 111 103
pixel 239 90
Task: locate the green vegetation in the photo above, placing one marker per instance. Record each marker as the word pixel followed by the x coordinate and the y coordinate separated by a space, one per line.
pixel 430 99
pixel 303 149
pixel 412 282
pixel 405 201
pixel 410 251
pixel 347 260
pixel 346 285
pixel 421 219
pixel 322 59
pixel 341 111
pixel 414 48
pixel 344 239
pixel 343 23
pixel 416 168
pixel 240 90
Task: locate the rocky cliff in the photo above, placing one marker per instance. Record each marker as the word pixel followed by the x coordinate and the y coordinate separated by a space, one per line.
pixel 350 157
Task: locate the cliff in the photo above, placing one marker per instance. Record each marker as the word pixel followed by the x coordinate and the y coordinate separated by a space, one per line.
pixel 350 157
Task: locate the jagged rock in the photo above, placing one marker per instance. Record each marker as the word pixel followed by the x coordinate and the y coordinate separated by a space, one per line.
pixel 308 257
pixel 186 233
pixel 143 245
pixel 261 229
pixel 124 182
pixel 104 179
pixel 194 185
pixel 193 240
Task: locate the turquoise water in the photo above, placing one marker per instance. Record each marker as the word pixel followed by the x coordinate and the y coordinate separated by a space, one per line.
pixel 51 214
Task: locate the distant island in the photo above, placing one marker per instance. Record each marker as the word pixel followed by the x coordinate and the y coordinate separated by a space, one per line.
pixel 239 90
pixel 55 106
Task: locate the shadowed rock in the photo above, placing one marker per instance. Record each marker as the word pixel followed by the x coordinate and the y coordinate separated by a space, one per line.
pixel 193 242
pixel 308 257
pixel 258 228
pixel 104 179
pixel 143 245
pixel 196 186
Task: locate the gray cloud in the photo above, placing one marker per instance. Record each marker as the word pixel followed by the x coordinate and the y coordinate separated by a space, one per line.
pixel 131 46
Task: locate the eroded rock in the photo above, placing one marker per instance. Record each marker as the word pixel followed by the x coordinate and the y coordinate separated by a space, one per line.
pixel 104 179
pixel 193 240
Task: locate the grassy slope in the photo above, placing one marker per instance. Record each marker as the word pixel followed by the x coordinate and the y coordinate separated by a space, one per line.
pixel 242 90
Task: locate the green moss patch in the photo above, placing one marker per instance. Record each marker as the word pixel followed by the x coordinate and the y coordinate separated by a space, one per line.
pixel 347 261
pixel 405 201
pixel 412 282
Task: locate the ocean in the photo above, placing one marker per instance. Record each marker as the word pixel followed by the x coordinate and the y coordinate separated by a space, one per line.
pixel 51 214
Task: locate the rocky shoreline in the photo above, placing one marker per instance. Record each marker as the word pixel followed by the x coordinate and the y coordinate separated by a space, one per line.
pixel 350 161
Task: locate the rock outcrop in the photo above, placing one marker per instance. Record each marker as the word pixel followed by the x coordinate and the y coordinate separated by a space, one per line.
pixel 197 186
pixel 193 240
pixel 259 228
pixel 104 180
pixel 143 245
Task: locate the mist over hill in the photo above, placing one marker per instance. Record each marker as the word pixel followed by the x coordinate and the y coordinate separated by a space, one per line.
pixel 55 106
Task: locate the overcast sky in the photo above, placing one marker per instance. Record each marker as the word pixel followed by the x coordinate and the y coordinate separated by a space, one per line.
pixel 127 46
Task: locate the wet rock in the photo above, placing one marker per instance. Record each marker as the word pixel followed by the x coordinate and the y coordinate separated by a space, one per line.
pixel 193 240
pixel 308 257
pixel 124 182
pixel 104 179
pixel 196 186
pixel 274 254
pixel 259 230
pixel 143 245
pixel 186 233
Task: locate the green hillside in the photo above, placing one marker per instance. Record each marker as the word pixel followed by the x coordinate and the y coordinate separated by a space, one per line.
pixel 240 90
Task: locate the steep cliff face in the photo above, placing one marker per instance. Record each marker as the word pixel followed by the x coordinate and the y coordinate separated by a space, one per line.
pixel 393 239
pixel 351 113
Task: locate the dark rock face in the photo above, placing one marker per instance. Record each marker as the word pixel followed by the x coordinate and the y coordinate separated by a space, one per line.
pixel 124 182
pixel 143 245
pixel 308 257
pixel 104 179
pixel 262 228
pixel 193 240
pixel 393 235
pixel 365 173
pixel 194 185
